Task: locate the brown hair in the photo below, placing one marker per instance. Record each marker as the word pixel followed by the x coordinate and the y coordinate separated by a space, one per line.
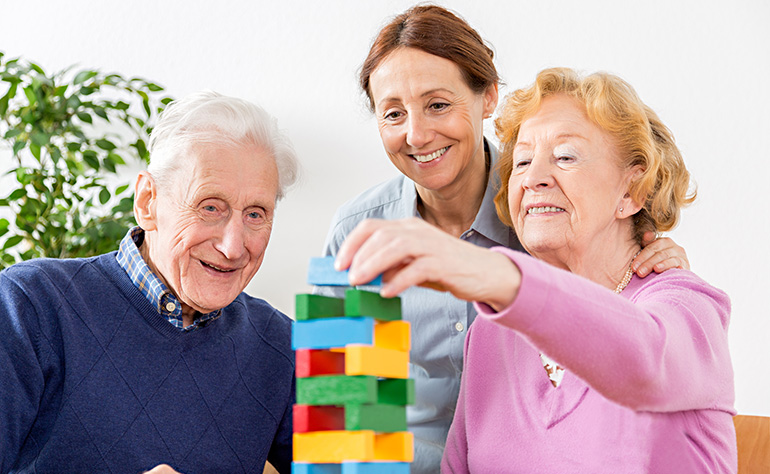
pixel 643 139
pixel 436 31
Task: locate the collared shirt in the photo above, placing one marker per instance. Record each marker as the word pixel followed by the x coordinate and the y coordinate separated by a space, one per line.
pixel 157 293
pixel 439 320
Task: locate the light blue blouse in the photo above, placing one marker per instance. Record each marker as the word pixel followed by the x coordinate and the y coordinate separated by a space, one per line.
pixel 439 320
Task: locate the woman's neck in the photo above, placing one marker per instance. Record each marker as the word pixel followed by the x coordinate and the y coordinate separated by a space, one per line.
pixel 605 261
pixel 453 209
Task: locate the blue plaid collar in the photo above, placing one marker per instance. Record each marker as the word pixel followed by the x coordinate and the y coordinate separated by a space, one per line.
pixel 156 292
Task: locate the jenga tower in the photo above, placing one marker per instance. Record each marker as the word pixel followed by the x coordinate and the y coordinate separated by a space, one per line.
pixel 352 362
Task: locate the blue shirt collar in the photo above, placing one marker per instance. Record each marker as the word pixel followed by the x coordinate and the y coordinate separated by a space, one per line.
pixel 157 293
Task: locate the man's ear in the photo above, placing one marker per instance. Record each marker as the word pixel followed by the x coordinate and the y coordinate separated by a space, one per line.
pixel 145 201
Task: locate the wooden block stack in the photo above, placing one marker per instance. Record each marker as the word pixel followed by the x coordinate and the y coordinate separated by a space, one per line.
pixel 352 362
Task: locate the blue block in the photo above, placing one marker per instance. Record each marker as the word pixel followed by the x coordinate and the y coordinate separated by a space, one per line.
pixel 308 468
pixel 321 272
pixel 383 467
pixel 332 332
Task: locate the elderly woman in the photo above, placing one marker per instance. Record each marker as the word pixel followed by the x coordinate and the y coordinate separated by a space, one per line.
pixel 575 364
pixel 431 82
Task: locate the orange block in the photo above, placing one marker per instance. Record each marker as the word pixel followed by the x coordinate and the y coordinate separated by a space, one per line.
pixel 397 446
pixel 393 335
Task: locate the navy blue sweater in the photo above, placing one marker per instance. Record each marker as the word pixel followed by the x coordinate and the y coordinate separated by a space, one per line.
pixel 94 380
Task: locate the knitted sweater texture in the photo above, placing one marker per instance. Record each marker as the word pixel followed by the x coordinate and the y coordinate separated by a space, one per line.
pixel 648 387
pixel 93 379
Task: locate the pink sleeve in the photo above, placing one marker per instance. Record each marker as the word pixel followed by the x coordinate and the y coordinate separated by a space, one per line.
pixel 659 346
pixel 455 458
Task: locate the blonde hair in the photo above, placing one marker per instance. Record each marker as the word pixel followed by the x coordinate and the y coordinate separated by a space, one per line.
pixel 641 137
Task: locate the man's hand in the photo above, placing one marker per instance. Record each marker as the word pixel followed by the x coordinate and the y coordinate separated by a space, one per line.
pixel 162 469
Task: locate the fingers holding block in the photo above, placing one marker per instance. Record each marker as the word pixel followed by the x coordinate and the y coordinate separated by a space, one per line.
pixel 322 273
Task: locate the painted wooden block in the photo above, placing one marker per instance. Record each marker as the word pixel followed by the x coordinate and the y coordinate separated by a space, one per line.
pixel 315 468
pixel 321 272
pixel 372 360
pixel 319 418
pixel 331 332
pixel 393 335
pixel 351 417
pixel 394 446
pixel 376 467
pixel 368 303
pixel 377 417
pixel 339 446
pixel 395 391
pixel 383 467
pixel 345 389
pixel 337 390
pixel 312 362
pixel 334 446
pixel 318 306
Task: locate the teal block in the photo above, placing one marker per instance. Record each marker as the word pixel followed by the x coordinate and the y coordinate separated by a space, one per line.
pixel 327 333
pixel 368 303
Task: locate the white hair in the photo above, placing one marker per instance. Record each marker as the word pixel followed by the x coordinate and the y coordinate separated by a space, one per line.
pixel 209 117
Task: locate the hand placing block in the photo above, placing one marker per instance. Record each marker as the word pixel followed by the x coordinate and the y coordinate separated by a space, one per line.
pixel 322 273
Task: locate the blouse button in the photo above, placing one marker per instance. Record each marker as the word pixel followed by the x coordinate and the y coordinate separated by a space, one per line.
pixel 459 326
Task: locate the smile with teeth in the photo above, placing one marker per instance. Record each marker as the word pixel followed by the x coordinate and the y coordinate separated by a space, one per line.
pixel 216 268
pixel 430 157
pixel 543 209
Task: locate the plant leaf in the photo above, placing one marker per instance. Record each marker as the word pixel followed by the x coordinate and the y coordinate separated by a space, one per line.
pixel 105 144
pixel 85 117
pixel 104 196
pixel 12 241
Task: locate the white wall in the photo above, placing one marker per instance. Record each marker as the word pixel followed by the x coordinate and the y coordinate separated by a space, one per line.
pixel 704 68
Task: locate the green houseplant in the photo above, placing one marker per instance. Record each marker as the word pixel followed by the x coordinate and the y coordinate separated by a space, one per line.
pixel 67 135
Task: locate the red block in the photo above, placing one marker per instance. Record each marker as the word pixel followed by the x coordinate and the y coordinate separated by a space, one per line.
pixel 312 362
pixel 318 418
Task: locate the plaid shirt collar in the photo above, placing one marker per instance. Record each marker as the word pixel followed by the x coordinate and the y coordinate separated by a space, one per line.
pixel 156 292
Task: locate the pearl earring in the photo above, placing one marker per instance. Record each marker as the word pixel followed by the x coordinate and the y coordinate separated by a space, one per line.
pixel 621 210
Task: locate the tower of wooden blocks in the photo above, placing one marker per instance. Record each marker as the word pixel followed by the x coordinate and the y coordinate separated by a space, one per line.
pixel 352 362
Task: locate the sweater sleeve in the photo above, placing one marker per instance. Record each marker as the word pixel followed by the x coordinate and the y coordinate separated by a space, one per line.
pixel 455 457
pixel 661 346
pixel 21 372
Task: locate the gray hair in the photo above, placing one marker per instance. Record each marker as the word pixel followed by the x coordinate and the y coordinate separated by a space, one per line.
pixel 209 117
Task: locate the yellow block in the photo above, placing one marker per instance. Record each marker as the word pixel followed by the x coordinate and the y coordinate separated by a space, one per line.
pixel 372 360
pixel 339 446
pixel 334 446
pixel 393 335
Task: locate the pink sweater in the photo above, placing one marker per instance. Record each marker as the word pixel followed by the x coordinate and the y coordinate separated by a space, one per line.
pixel 648 385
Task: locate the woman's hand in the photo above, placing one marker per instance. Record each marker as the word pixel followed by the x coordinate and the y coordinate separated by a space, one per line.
pixel 659 255
pixel 411 252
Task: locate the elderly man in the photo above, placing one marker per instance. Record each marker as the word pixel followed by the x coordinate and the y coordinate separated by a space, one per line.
pixel 152 354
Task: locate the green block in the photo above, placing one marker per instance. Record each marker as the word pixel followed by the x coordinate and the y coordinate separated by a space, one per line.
pixel 336 390
pixel 377 417
pixel 367 303
pixel 318 306
pixel 395 391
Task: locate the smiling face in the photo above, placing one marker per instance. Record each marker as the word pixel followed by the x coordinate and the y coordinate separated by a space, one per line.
pixel 430 121
pixel 567 186
pixel 207 232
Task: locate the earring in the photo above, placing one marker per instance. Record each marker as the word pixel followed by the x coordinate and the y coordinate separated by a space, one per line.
pixel 621 210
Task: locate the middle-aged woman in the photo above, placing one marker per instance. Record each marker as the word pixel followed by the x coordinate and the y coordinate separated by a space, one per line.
pixel 431 83
pixel 591 369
